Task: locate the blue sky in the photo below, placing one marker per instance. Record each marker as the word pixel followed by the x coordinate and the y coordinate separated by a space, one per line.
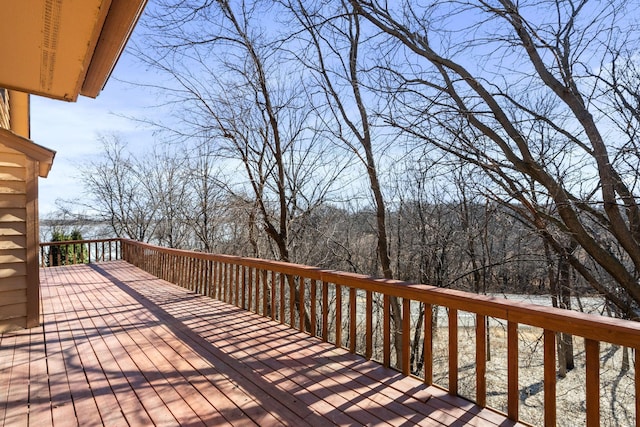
pixel 72 129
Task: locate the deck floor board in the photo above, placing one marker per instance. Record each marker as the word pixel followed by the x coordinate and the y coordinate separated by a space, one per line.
pixel 120 347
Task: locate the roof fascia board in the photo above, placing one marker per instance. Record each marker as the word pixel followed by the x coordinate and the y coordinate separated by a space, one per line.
pixel 120 21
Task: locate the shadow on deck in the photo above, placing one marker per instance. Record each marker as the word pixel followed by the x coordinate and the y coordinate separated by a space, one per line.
pixel 119 346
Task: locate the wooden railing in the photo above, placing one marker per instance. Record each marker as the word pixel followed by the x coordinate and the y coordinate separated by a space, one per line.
pixel 346 309
pixel 79 252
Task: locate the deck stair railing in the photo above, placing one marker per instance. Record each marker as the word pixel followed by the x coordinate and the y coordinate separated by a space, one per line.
pixel 341 308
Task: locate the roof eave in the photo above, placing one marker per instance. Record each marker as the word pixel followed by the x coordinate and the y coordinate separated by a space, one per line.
pixel 42 155
pixel 122 17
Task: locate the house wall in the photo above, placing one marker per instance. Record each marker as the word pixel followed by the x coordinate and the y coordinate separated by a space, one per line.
pixel 13 239
pixel 19 288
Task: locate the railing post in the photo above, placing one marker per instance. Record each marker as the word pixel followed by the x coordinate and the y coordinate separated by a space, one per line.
pixel 592 368
pixel 549 378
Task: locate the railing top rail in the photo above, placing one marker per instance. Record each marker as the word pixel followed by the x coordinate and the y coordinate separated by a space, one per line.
pixel 599 328
pixel 76 242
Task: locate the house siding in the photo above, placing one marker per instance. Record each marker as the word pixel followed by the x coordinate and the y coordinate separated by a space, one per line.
pixel 13 239
pixel 13 230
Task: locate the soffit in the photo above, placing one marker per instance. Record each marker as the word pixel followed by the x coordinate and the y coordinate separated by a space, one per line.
pixel 63 48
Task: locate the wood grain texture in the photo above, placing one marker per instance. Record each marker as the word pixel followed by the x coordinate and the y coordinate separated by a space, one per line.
pixel 119 346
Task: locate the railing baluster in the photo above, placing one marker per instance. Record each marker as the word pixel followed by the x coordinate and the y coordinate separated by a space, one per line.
pixel 214 280
pixel 338 289
pixel 186 278
pixel 513 396
pixel 195 277
pixel 314 309
pixel 325 311
pixel 265 295
pixel 238 281
pixel 282 297
pixel 405 366
pixel 481 360
pixel 228 268
pixel 273 295
pixel 369 325
pixel 453 351
pixel 219 276
pixel 352 319
pixel 636 354
pixel 250 289
pixel 592 368
pixel 292 300
pixel 243 286
pixel 386 330
pixel 224 283
pixel 428 344
pixel 301 297
pixel 549 378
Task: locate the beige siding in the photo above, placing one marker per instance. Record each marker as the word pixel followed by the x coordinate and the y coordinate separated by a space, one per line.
pixel 13 238
pixel 13 283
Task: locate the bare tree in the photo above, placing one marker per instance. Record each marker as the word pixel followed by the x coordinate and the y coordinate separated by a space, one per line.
pixel 477 79
pixel 118 191
pixel 334 36
pixel 230 80
pixel 206 202
pixel 164 181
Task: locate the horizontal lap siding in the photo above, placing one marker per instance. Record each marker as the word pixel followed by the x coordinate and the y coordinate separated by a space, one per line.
pixel 13 240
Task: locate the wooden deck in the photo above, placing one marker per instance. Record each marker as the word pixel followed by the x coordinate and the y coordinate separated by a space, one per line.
pixel 121 347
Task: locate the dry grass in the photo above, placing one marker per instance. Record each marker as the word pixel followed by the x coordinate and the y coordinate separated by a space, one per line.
pixel 617 397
